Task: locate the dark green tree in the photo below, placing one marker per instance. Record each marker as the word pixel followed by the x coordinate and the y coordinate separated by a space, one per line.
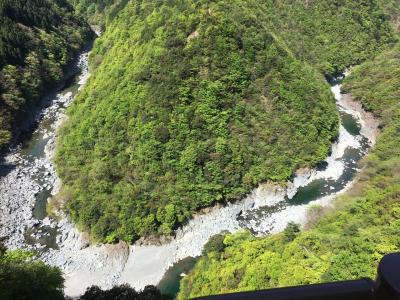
pixel 23 278
pixel 291 231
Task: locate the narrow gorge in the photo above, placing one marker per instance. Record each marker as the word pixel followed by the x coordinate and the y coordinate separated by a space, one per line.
pixel 195 148
pixel 267 209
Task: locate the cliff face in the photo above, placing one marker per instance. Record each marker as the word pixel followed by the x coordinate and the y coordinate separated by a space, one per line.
pixel 39 39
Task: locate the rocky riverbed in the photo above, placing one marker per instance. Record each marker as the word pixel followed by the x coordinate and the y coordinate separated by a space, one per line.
pixel 27 174
pixel 28 178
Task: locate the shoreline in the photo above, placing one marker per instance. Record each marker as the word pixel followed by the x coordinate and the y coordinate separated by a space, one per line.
pixel 369 123
pixel 25 176
pixel 142 263
pixel 152 261
pixel 34 112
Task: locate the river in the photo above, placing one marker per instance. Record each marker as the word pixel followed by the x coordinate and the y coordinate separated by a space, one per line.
pixel 28 179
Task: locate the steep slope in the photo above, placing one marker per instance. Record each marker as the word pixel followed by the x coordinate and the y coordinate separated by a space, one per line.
pixel 99 12
pixel 38 39
pixel 197 102
pixel 191 103
pixel 347 243
pixel 392 9
pixel 331 35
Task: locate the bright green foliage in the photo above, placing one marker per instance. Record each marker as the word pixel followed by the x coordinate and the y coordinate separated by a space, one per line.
pixel 381 74
pixel 194 102
pixel 197 102
pixel 22 278
pixel 190 103
pixel 347 243
pixel 99 12
pixel 331 34
pixel 392 8
pixel 38 39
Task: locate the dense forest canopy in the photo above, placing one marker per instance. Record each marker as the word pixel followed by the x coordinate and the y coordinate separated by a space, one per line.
pixel 348 242
pixel 194 102
pixel 330 35
pixel 99 12
pixel 38 39
pixel 191 103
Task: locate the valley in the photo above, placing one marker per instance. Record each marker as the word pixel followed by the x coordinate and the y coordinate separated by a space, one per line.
pixel 267 209
pixel 202 147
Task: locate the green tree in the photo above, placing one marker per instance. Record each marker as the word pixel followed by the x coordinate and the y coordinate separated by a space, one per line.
pixel 39 39
pixel 22 277
pixel 214 244
pixel 291 231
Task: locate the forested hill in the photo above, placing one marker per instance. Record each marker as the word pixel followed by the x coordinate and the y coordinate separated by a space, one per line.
pixel 38 39
pixel 99 12
pixel 345 244
pixel 194 102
